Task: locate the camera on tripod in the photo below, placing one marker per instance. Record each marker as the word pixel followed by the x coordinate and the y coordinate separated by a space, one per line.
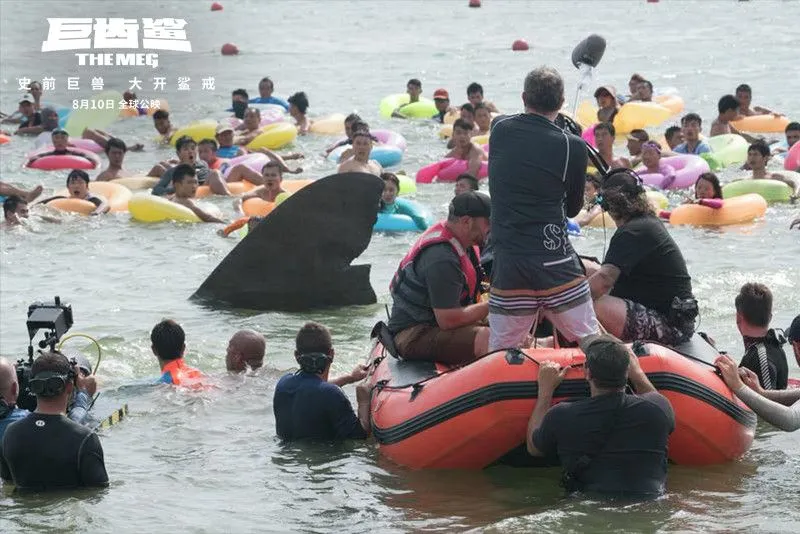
pixel 56 319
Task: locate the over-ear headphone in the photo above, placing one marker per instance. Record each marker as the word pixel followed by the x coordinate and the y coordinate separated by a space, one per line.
pixel 314 362
pixel 624 180
pixel 52 383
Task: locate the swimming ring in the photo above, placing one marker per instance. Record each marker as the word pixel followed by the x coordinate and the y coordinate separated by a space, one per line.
pixel 761 124
pixel 136 182
pixel 87 161
pixel 687 168
pixel 423 109
pixel 236 188
pixel 736 210
pixel 254 161
pixel 771 190
pixel 639 115
pixel 792 160
pixel 205 129
pixel 116 195
pixel 726 150
pixel 330 125
pixel 148 208
pixel 4 139
pixel 447 170
pixel 274 136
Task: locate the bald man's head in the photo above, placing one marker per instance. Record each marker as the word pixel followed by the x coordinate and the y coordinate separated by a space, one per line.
pixel 9 388
pixel 245 349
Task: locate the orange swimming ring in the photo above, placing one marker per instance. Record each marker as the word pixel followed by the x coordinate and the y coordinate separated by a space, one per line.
pixel 235 225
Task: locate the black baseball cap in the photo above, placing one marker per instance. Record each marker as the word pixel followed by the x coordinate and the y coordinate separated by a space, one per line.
pixel 597 343
pixel 59 131
pixel 793 332
pixel 471 204
pixel 607 358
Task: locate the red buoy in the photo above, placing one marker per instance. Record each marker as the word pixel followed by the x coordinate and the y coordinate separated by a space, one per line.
pixel 216 6
pixel 474 3
pixel 229 49
pixel 520 45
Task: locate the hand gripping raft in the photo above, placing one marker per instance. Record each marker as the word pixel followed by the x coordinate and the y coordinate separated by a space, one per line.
pixel 299 257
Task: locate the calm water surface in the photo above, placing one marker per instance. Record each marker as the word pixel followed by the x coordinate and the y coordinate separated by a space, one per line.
pixel 210 462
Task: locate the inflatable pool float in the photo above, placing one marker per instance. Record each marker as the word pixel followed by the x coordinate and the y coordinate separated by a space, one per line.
pixel 116 195
pixel 771 190
pixel 236 188
pixel 761 124
pixel 256 207
pixel 4 139
pixel 44 141
pixel 386 155
pixel 791 161
pixel 687 168
pixel 148 208
pixel 639 115
pixel 726 150
pixel 87 161
pixel 205 129
pixel 423 109
pixel 330 125
pixel 588 136
pixel 397 222
pixel 736 210
pixel 254 161
pixel 270 114
pixel 274 136
pixel 136 182
pixel 672 102
pixel 428 415
pixel 448 170
pixel 391 138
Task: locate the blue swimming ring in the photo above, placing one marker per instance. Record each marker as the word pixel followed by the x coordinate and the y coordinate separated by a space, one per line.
pixel 392 222
pixel 386 155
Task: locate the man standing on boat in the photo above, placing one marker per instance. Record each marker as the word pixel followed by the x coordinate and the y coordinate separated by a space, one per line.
pixel 537 175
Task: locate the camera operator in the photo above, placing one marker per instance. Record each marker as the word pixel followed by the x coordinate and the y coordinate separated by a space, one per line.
pixel 9 390
pixel 46 450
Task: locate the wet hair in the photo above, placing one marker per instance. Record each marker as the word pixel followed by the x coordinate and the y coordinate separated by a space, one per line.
pixel 391 177
pixel 268 80
pixel 469 107
pixel 637 77
pixel 711 178
pixel 116 142
pixel 792 127
pixel 543 90
pixel 609 365
pixel 415 82
pixel 727 103
pixel 10 204
pixel 353 118
pixel 691 117
pixel 240 92
pixel 182 171
pixel 359 126
pixel 473 182
pixel 208 142
pixel 300 100
pixel 361 133
pixel 672 130
pixel 744 88
pixel 272 164
pixel 160 114
pixel 648 83
pixel 463 125
pixel 607 126
pixel 168 339
pixel 313 337
pixel 761 147
pixel 473 88
pixel 183 141
pixel 77 174
pixel 754 303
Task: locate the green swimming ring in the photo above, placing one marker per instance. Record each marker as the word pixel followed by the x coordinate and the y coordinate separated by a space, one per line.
pixel 424 109
pixel 771 190
pixel 726 150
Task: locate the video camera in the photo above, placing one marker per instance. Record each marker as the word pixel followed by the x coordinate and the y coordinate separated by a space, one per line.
pixel 56 319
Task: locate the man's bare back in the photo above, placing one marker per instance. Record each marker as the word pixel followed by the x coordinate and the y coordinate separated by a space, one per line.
pixel 370 167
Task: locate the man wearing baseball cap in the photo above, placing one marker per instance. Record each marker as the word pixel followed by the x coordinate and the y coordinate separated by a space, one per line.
pixel 436 312
pixel 608 106
pixel 31 119
pixel 613 442
pixel 225 137
pixel 441 99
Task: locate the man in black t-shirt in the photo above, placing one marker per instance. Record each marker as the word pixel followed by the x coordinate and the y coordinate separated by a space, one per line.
pixel 643 273
pixel 764 353
pixel 45 450
pixel 31 123
pixel 612 443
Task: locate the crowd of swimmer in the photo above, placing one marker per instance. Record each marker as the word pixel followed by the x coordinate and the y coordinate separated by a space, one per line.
pixel 515 243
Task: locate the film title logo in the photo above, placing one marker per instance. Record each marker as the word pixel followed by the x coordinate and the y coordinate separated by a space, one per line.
pixel 115 34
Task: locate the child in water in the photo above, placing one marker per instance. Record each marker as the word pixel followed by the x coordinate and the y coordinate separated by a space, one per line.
pixel 651 159
pixel 591 208
pixel 398 206
pixel 707 192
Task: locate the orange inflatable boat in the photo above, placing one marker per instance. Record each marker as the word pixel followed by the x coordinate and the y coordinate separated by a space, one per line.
pixel 431 416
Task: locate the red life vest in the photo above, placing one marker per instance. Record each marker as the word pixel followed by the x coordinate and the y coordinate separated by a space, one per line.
pixel 440 233
pixel 181 374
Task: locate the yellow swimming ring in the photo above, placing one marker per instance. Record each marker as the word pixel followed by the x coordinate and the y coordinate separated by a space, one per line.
pixel 761 124
pixel 116 195
pixel 136 182
pixel 148 208
pixel 205 129
pixel 274 136
pixel 236 188
pixel 657 200
pixel 330 125
pixel 640 115
pixel 674 103
pixel 481 139
pixel 736 210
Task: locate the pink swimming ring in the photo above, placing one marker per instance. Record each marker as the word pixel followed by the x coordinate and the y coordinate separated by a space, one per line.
pixel 588 135
pixel 86 144
pixel 86 161
pixel 792 161
pixel 688 168
pixel 388 137
pixel 255 161
pixel 448 170
pixel 268 116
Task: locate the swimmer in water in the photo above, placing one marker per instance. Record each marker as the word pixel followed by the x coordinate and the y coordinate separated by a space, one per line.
pixel 115 150
pixel 225 143
pixel 707 192
pixel 633 87
pixel 31 123
pixel 606 97
pixel 250 127
pixel 239 103
pixel 691 126
pixel 604 133
pixel 15 209
pixel 265 89
pixel 184 182
pixel 464 148
pixel 348 132
pixel 728 110
pixel 744 95
pixel 673 136
pixel 591 208
pixel 168 343
pixel 163 126
pixel 475 97
pixel 464 184
pixel 792 136
pixel 414 89
pixel 61 147
pixel 397 206
pixel 78 188
pixel 651 159
pixel 758 155
pixel 483 119
pixel 298 106
pixel 360 162
pixel 271 188
pixel 245 351
pixel 441 99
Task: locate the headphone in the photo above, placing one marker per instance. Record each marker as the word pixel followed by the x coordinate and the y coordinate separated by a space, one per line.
pixel 314 362
pixel 51 383
pixel 626 187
